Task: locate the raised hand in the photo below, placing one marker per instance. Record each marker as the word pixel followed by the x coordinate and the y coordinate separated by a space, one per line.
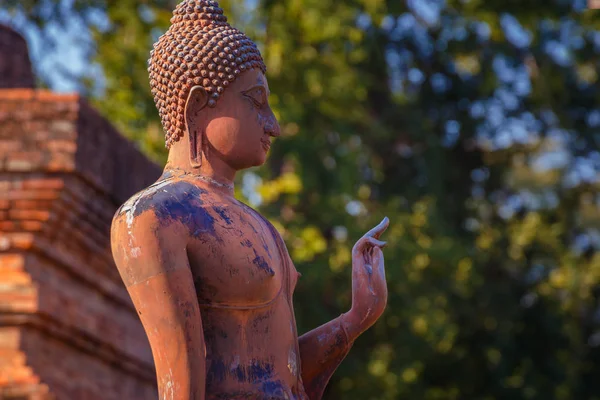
pixel 369 288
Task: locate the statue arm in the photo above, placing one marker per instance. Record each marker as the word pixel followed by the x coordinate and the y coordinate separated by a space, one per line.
pixel 323 349
pixel 155 268
pixel 321 352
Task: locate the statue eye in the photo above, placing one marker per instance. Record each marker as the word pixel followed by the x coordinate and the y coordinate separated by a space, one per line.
pixel 257 95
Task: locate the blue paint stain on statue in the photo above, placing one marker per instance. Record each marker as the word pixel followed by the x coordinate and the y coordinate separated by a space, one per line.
pixel 275 389
pixel 260 262
pixel 181 202
pixel 223 214
pixel 258 373
pixel 217 372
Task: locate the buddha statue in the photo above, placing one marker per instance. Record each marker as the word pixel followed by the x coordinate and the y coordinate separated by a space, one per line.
pixel 210 278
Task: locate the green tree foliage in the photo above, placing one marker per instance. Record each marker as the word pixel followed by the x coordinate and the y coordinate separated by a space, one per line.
pixel 471 124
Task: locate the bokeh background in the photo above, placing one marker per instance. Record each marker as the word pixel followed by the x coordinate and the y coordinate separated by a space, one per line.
pixel 472 124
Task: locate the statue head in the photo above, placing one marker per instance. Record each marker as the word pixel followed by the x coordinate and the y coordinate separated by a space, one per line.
pixel 208 82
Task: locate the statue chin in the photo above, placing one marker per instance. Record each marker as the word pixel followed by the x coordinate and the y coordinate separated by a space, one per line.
pixel 258 160
pixel 262 161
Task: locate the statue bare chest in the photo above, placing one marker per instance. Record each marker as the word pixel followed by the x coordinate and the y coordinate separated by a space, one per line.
pixel 234 257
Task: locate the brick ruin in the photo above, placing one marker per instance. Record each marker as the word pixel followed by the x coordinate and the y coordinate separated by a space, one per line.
pixel 15 66
pixel 68 329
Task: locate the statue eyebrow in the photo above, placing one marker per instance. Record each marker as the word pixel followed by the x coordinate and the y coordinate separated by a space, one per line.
pixel 260 85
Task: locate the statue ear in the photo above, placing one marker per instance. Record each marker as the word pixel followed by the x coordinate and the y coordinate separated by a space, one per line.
pixel 196 101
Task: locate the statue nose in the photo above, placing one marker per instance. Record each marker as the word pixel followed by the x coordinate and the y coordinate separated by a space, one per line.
pixel 272 128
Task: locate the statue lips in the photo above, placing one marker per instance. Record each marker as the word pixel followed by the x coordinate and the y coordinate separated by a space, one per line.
pixel 266 144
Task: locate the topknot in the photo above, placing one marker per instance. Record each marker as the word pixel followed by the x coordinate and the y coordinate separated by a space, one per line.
pixel 200 48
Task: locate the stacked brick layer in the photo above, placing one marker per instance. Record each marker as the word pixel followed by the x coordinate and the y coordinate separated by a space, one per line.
pixel 67 327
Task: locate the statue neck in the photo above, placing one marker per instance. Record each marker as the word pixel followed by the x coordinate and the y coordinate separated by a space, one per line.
pixel 213 168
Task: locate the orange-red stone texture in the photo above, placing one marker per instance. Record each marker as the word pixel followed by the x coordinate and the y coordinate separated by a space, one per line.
pixel 68 329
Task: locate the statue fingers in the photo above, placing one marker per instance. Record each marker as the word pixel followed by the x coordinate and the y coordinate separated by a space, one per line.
pixel 379 229
pixel 367 258
pixel 367 242
pixel 378 262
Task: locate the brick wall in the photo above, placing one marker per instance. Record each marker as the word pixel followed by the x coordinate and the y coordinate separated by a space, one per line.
pixel 68 329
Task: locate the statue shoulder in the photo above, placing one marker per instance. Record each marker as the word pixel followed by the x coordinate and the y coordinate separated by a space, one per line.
pixel 168 201
pixel 150 230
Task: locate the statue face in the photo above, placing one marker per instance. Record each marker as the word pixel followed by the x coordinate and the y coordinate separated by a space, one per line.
pixel 239 129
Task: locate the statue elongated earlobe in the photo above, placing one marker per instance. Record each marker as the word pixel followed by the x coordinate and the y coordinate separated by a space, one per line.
pixel 196 149
pixel 197 100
